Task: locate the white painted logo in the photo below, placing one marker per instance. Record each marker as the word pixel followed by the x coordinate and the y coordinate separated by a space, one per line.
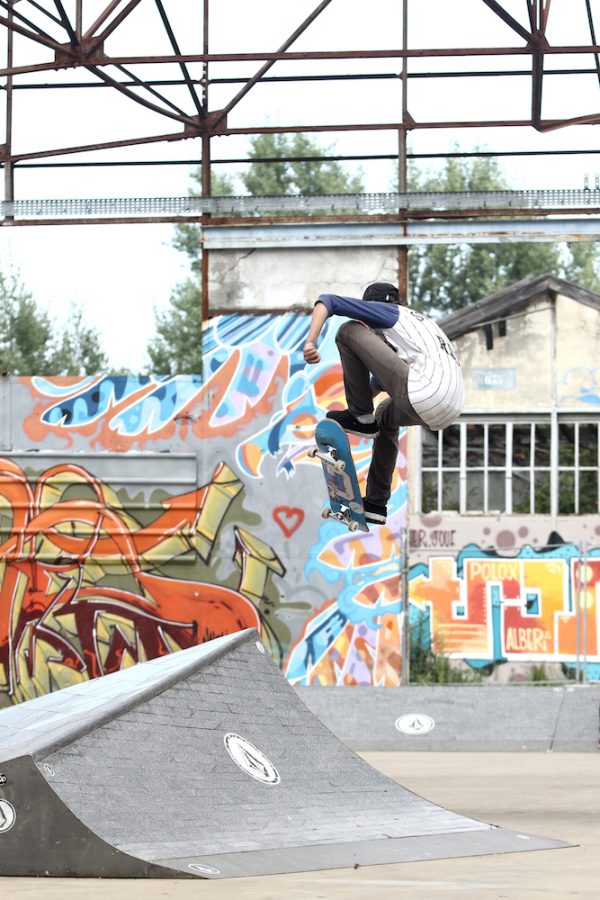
pixel 7 816
pixel 204 870
pixel 415 723
pixel 250 759
pixel 48 770
pixel 260 647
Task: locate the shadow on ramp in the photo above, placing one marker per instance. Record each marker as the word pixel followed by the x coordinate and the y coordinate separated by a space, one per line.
pixel 205 763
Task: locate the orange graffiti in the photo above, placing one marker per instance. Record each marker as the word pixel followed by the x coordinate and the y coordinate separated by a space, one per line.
pixel 59 619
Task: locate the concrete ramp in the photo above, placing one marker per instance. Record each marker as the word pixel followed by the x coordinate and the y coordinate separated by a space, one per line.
pixel 205 763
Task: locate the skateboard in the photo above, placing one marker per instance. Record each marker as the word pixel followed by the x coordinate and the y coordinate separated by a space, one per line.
pixel 333 449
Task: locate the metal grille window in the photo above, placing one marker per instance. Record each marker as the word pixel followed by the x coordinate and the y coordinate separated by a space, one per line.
pixel 511 466
pixel 578 467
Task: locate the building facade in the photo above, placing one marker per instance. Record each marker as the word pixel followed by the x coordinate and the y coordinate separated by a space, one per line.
pixel 504 504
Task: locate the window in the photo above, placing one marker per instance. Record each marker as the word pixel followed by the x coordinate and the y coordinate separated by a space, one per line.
pixel 507 466
pixel 578 468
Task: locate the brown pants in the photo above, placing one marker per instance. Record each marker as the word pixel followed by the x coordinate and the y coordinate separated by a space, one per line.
pixel 363 354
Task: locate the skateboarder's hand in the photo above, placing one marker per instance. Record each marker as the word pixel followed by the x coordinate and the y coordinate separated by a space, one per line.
pixel 311 354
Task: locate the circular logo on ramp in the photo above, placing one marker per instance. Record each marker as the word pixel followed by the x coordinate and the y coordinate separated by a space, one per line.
pixel 415 723
pixel 7 816
pixel 250 759
pixel 204 870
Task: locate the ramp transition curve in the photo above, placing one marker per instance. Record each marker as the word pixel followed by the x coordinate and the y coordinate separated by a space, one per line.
pixel 205 763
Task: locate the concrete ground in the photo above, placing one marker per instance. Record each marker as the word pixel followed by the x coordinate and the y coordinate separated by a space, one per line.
pixel 556 795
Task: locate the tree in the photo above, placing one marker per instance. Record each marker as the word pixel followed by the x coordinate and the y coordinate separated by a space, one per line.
pixel 445 277
pixel 316 175
pixel 25 332
pixel 29 340
pixel 78 351
pixel 177 346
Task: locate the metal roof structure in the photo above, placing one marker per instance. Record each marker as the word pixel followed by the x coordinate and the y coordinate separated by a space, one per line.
pixel 144 84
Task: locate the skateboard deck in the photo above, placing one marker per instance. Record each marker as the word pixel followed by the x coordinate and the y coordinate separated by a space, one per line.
pixel 333 449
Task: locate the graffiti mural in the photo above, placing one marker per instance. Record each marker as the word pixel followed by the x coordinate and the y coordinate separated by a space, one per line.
pixel 86 587
pixel 354 638
pixel 97 574
pixel 531 606
pixel 326 602
pixel 579 386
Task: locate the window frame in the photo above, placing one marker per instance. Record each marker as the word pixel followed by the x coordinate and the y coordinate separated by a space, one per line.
pixel 552 467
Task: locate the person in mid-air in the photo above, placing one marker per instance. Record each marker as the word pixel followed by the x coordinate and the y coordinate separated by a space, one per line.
pixel 388 347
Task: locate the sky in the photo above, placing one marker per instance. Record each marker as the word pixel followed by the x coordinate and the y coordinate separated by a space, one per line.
pixel 121 274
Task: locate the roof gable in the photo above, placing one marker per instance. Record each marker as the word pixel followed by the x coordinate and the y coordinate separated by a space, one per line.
pixel 512 299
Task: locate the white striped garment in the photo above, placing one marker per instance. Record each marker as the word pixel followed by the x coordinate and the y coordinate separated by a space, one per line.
pixel 435 383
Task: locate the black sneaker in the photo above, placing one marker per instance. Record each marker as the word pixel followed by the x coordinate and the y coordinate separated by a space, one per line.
pixel 376 515
pixel 351 425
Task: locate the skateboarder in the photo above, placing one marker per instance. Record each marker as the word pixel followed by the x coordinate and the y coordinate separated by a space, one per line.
pixel 388 347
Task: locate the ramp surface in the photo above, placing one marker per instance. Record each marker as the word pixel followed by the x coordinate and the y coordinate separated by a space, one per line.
pixel 205 763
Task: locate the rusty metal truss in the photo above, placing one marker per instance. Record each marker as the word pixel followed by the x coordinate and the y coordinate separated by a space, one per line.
pixel 137 75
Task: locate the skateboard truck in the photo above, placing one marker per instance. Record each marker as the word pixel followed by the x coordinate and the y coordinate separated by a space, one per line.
pixel 342 516
pixel 338 465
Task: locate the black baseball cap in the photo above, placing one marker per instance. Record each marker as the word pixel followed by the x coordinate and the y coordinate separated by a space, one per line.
pixel 382 291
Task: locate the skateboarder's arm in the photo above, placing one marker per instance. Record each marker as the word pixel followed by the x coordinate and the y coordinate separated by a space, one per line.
pixel 320 314
pixel 372 313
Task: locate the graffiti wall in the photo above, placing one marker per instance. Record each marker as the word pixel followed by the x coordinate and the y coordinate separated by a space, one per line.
pixel 489 593
pixel 140 515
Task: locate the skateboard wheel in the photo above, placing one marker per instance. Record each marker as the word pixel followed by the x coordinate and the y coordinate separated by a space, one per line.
pixel 352 526
pixel 339 466
pixel 326 513
pixel 313 452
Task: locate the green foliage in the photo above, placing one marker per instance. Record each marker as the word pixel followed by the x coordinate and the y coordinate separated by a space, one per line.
pixel 476 174
pixel 569 671
pixel 428 668
pixel 581 264
pixel 314 176
pixel 445 277
pixel 31 343
pixel 272 179
pixel 78 351
pixel 25 332
pixel 177 347
pixel 538 673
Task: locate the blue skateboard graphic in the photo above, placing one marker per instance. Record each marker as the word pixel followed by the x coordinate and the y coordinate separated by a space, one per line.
pixel 333 449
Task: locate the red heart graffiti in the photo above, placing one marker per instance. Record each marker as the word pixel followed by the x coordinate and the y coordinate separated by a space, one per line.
pixel 288 518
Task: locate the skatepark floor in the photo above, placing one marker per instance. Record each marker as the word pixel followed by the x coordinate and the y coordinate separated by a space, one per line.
pixel 556 795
